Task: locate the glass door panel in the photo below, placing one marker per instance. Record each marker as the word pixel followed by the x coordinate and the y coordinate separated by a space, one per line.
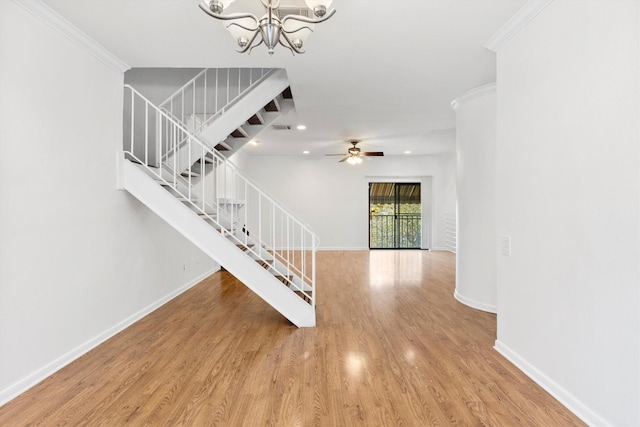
pixel 395 217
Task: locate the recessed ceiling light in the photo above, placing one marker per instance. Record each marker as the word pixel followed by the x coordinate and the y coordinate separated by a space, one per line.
pixel 254 142
pixel 305 152
pixel 407 152
pixel 301 127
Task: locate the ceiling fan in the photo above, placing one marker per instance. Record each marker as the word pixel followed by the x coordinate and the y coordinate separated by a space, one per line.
pixel 354 154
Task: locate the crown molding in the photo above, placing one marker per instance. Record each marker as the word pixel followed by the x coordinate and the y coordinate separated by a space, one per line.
pixel 472 94
pixel 52 18
pixel 517 22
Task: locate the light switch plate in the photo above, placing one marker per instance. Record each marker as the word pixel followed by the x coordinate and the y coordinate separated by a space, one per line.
pixel 505 245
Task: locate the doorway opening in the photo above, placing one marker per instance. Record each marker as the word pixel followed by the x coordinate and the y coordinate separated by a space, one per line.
pixel 395 215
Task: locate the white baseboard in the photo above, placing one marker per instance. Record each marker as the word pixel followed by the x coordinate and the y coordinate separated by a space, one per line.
pixel 19 387
pixel 324 248
pixel 554 389
pixel 443 248
pixel 475 304
pixel 365 248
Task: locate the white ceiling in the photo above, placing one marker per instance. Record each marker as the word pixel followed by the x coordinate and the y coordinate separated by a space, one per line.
pixel 381 71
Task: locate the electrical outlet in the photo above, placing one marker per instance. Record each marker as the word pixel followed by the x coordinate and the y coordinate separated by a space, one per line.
pixel 505 245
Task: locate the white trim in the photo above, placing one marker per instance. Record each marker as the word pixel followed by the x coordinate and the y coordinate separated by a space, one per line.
pixel 52 18
pixel 396 178
pixel 342 249
pixel 442 249
pixel 472 94
pixel 517 22
pixel 475 304
pixel 572 403
pixel 19 387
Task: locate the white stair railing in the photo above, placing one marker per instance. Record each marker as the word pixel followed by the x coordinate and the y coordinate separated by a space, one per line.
pixel 206 96
pixel 235 205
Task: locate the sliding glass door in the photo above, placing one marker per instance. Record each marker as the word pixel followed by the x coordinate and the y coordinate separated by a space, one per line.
pixel 395 215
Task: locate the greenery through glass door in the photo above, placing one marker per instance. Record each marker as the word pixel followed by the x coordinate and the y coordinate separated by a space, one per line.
pixel 395 218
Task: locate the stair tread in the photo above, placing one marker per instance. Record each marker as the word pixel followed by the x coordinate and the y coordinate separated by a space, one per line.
pixel 263 263
pixel 284 279
pixel 245 247
pixel 303 296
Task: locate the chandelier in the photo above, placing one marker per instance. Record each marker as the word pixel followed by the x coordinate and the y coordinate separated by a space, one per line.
pixel 290 31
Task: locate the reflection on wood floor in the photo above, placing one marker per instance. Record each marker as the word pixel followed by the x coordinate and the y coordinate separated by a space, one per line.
pixel 392 348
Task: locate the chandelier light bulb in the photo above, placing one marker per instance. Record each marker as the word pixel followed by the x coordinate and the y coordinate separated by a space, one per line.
pixel 320 11
pixel 243 42
pixel 319 7
pixel 217 6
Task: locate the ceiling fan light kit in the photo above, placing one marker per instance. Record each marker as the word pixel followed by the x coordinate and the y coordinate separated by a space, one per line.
pixel 290 30
pixel 354 154
pixel 354 160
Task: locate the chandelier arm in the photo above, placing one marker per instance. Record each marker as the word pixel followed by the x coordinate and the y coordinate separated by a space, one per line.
pixel 298 29
pixel 288 47
pixel 291 45
pixel 230 17
pixel 250 42
pixel 249 47
pixel 243 27
pixel 301 18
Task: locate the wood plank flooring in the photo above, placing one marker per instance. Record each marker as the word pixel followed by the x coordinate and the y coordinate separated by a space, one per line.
pixel 392 348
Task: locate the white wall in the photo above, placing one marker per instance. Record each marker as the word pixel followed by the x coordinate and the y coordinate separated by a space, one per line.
pixel 568 193
pixel 79 260
pixel 476 281
pixel 333 197
pixel 158 84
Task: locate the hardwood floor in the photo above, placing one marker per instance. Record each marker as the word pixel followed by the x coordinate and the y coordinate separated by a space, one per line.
pixel 392 348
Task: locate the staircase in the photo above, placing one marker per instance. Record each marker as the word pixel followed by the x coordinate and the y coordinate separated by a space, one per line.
pixel 242 103
pixel 170 163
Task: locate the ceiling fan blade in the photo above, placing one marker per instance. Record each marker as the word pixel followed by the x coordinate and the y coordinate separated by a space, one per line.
pixel 345 158
pixel 373 153
pixel 334 154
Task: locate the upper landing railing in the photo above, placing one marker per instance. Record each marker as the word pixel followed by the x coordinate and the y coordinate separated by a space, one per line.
pixel 210 92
